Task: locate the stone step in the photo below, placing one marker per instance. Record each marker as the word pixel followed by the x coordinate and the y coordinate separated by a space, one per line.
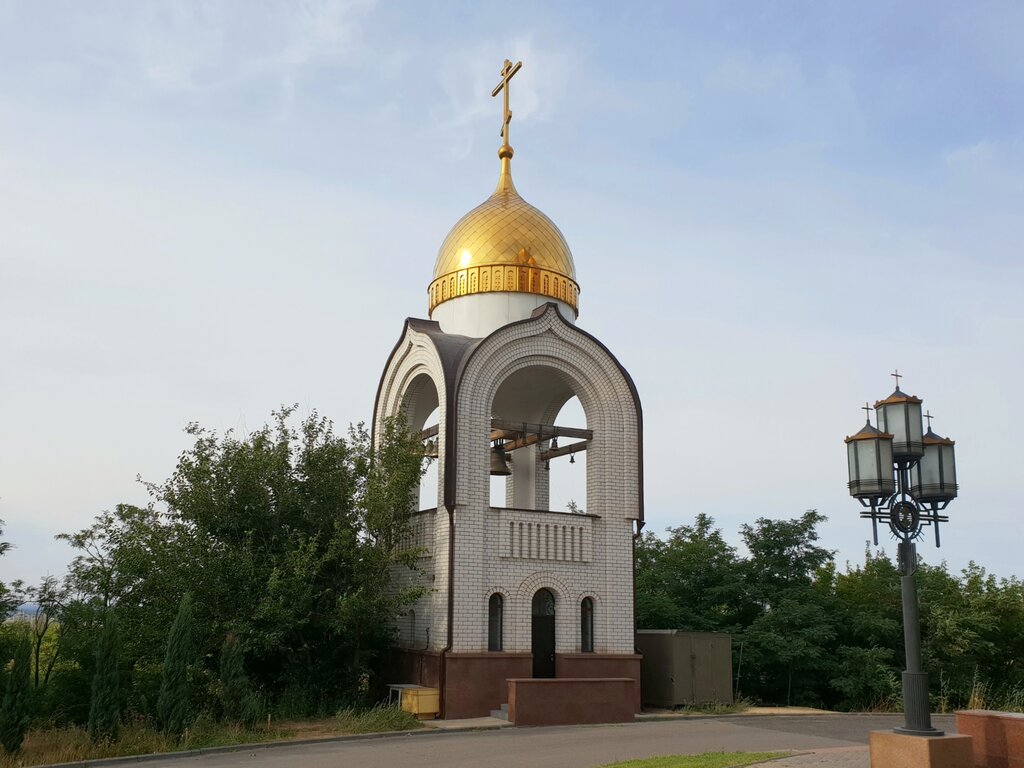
pixel 500 714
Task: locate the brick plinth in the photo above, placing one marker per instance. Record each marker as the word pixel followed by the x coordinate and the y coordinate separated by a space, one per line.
pixel 571 701
pixel 475 682
pixel 591 665
pixel 897 750
pixel 998 737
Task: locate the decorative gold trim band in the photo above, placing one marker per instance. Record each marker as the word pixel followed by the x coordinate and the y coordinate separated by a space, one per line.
pixel 493 278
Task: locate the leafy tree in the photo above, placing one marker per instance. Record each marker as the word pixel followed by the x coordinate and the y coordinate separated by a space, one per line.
pixel 105 709
pixel 14 709
pixel 297 532
pixel 49 599
pixel 788 609
pixel 238 701
pixel 866 677
pixel 783 554
pixel 130 558
pixel 173 704
pixel 10 596
pixel 692 580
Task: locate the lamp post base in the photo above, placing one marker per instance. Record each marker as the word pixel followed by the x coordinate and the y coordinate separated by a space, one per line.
pixel 917 715
pixel 904 731
pixel 896 750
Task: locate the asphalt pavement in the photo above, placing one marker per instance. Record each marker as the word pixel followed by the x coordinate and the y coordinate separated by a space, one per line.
pixel 836 735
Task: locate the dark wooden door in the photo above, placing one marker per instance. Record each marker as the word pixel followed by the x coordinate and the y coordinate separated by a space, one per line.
pixel 543 645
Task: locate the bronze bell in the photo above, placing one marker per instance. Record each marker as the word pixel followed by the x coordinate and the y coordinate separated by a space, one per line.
pixel 499 461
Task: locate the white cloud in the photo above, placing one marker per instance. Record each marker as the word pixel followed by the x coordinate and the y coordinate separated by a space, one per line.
pixel 199 47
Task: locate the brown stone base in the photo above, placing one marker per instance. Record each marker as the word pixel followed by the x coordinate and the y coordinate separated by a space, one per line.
pixel 571 701
pixel 475 683
pixel 591 665
pixel 998 737
pixel 897 750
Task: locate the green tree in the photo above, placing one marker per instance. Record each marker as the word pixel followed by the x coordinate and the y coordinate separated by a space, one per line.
pixel 869 638
pixel 14 709
pixel 238 701
pixel 691 580
pixel 105 708
pixel 788 610
pixel 49 598
pixel 173 706
pixel 9 599
pixel 291 534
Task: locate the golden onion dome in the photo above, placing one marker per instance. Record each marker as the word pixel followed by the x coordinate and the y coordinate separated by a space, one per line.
pixel 504 244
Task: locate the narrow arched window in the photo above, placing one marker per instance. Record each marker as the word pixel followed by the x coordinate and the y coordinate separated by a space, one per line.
pixel 495 619
pixel 587 625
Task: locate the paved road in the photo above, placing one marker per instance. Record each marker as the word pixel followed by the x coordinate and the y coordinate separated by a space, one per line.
pixel 563 747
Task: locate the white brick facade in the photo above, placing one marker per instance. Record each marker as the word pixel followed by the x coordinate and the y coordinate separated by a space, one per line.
pixel 525 370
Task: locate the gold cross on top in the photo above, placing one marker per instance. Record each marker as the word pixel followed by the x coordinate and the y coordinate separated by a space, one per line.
pixel 507 71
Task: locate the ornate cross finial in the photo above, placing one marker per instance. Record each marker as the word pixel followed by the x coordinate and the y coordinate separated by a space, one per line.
pixel 898 376
pixel 507 71
pixel 867 407
pixel 928 415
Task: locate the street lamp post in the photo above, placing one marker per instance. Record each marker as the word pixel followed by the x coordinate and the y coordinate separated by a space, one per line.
pixel 904 478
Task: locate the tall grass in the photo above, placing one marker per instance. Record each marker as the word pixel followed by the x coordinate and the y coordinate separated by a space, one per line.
pixel 44 746
pixel 62 745
pixel 379 718
pixel 1006 699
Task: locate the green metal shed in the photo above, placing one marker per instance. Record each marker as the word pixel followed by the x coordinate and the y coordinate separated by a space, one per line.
pixel 684 667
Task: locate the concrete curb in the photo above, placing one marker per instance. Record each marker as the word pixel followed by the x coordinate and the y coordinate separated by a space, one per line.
pixel 128 759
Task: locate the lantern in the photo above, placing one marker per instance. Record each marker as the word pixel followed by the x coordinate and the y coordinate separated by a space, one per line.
pixel 870 458
pixel 900 416
pixel 934 477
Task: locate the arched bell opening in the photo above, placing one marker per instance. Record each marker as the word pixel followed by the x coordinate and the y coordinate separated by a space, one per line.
pixel 529 440
pixel 429 483
pixel 567 474
pixel 420 406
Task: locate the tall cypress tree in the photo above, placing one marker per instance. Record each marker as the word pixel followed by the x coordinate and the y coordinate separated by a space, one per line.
pixel 14 707
pixel 235 691
pixel 172 706
pixel 105 708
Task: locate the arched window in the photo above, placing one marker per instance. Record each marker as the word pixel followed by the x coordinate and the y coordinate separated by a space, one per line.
pixel 495 620
pixel 587 625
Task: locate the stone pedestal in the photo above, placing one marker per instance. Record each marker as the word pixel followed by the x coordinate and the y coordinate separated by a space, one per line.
pixel 998 737
pixel 896 750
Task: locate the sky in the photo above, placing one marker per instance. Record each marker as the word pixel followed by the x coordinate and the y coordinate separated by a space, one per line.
pixel 211 209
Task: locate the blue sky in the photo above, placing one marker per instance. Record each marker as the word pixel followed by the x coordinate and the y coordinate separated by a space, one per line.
pixel 210 209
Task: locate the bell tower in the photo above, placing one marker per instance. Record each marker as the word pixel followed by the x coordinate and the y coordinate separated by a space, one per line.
pixel 518 591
